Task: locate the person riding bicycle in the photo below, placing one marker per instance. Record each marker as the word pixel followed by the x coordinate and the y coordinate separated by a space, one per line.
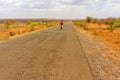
pixel 61 24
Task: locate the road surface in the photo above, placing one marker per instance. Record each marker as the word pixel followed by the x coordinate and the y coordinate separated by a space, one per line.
pixel 52 54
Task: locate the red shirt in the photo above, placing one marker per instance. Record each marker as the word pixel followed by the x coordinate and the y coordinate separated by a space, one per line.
pixel 62 22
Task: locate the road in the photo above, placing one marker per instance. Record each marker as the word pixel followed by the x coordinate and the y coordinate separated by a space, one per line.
pixel 51 54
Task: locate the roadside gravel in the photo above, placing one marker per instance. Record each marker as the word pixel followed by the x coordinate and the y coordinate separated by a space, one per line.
pixel 103 58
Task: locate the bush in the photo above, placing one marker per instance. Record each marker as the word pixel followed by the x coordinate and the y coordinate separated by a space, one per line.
pixel 43 22
pixel 8 22
pixel 34 23
pixel 12 33
pixel 31 23
pixel 117 23
pixel 28 22
pixel 89 19
pixel 82 24
pixel 110 21
pixel 95 20
pixel 32 28
pixel 110 28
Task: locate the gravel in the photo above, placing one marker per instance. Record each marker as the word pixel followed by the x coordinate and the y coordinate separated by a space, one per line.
pixel 103 57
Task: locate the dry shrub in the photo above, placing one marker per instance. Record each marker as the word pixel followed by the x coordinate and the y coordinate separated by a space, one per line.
pixel 5 33
pixel 12 33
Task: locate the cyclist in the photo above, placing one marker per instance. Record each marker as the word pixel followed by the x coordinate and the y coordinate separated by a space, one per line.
pixel 61 24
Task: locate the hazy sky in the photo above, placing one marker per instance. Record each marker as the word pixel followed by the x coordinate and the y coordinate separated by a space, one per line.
pixel 59 8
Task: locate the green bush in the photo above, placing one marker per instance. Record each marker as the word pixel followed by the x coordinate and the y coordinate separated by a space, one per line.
pixel 28 22
pixel 109 28
pixel 31 23
pixel 34 24
pixel 43 22
pixel 117 23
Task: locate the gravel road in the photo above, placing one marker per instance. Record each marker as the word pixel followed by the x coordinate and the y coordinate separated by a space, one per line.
pixel 52 54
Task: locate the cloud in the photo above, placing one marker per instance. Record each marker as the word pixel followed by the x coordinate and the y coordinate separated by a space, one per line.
pixel 40 4
pixel 74 2
pixel 59 8
pixel 37 4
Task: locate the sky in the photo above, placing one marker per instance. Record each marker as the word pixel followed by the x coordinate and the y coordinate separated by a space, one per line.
pixel 68 9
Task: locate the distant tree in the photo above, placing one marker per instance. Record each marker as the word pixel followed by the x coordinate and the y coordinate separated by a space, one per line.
pixel 95 20
pixel 89 19
pixel 8 22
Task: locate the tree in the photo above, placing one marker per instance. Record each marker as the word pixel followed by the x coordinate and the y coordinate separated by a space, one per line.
pixel 95 20
pixel 89 19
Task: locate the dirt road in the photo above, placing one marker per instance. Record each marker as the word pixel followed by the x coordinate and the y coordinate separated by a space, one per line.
pixel 52 54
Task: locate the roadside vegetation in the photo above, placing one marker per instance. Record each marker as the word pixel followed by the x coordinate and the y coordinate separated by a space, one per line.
pixel 107 29
pixel 11 27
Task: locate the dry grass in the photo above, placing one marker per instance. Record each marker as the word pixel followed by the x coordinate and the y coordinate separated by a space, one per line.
pixel 102 31
pixel 106 34
pixel 6 33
